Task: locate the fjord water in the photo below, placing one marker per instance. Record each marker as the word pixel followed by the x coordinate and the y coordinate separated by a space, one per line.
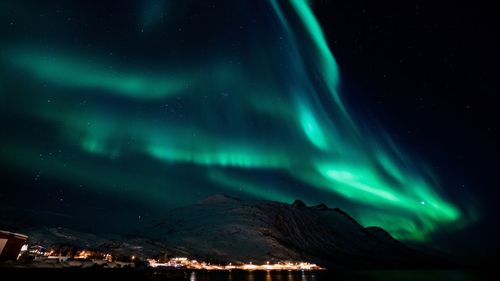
pixel 428 275
pixel 240 275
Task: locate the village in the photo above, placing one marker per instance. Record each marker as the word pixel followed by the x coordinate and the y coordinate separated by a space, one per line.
pixel 16 251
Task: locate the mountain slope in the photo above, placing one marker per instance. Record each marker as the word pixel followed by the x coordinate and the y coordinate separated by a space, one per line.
pixel 224 229
pixel 221 228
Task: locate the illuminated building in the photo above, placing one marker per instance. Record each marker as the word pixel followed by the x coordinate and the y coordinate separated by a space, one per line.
pixel 11 244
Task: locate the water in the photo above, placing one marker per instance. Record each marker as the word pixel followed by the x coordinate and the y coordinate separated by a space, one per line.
pixel 254 275
pixel 389 275
pixel 73 274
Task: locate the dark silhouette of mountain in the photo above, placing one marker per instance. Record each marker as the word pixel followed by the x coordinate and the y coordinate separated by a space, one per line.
pixel 222 228
pixel 225 229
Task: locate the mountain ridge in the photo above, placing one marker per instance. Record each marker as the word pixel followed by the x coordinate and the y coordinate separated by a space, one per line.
pixel 223 229
pixel 259 230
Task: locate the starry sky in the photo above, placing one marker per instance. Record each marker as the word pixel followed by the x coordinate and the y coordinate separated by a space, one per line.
pixel 113 113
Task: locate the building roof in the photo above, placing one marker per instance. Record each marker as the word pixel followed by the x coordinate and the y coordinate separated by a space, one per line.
pixel 17 235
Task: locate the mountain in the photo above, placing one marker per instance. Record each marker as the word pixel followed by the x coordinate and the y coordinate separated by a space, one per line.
pixel 224 229
pixel 221 228
pixel 68 240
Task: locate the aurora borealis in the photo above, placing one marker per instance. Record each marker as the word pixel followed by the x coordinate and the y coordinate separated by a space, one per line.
pixel 170 112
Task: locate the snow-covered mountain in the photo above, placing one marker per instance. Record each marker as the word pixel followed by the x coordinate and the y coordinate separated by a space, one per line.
pixel 225 229
pixel 65 240
pixel 222 228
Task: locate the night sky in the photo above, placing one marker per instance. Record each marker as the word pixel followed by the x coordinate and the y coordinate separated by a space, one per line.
pixel 114 112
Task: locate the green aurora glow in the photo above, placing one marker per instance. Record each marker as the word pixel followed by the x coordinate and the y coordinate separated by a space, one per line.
pixel 231 125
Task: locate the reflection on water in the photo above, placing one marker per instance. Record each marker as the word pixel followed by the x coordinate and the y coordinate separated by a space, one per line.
pixel 253 275
pixel 407 275
pixel 240 275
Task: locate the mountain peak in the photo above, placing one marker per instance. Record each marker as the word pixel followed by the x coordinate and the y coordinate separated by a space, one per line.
pixel 299 203
pixel 321 207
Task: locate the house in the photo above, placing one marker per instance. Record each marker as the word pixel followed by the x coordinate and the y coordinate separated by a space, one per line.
pixel 11 244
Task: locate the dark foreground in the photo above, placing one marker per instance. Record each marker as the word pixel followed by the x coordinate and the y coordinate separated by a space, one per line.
pixel 193 275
